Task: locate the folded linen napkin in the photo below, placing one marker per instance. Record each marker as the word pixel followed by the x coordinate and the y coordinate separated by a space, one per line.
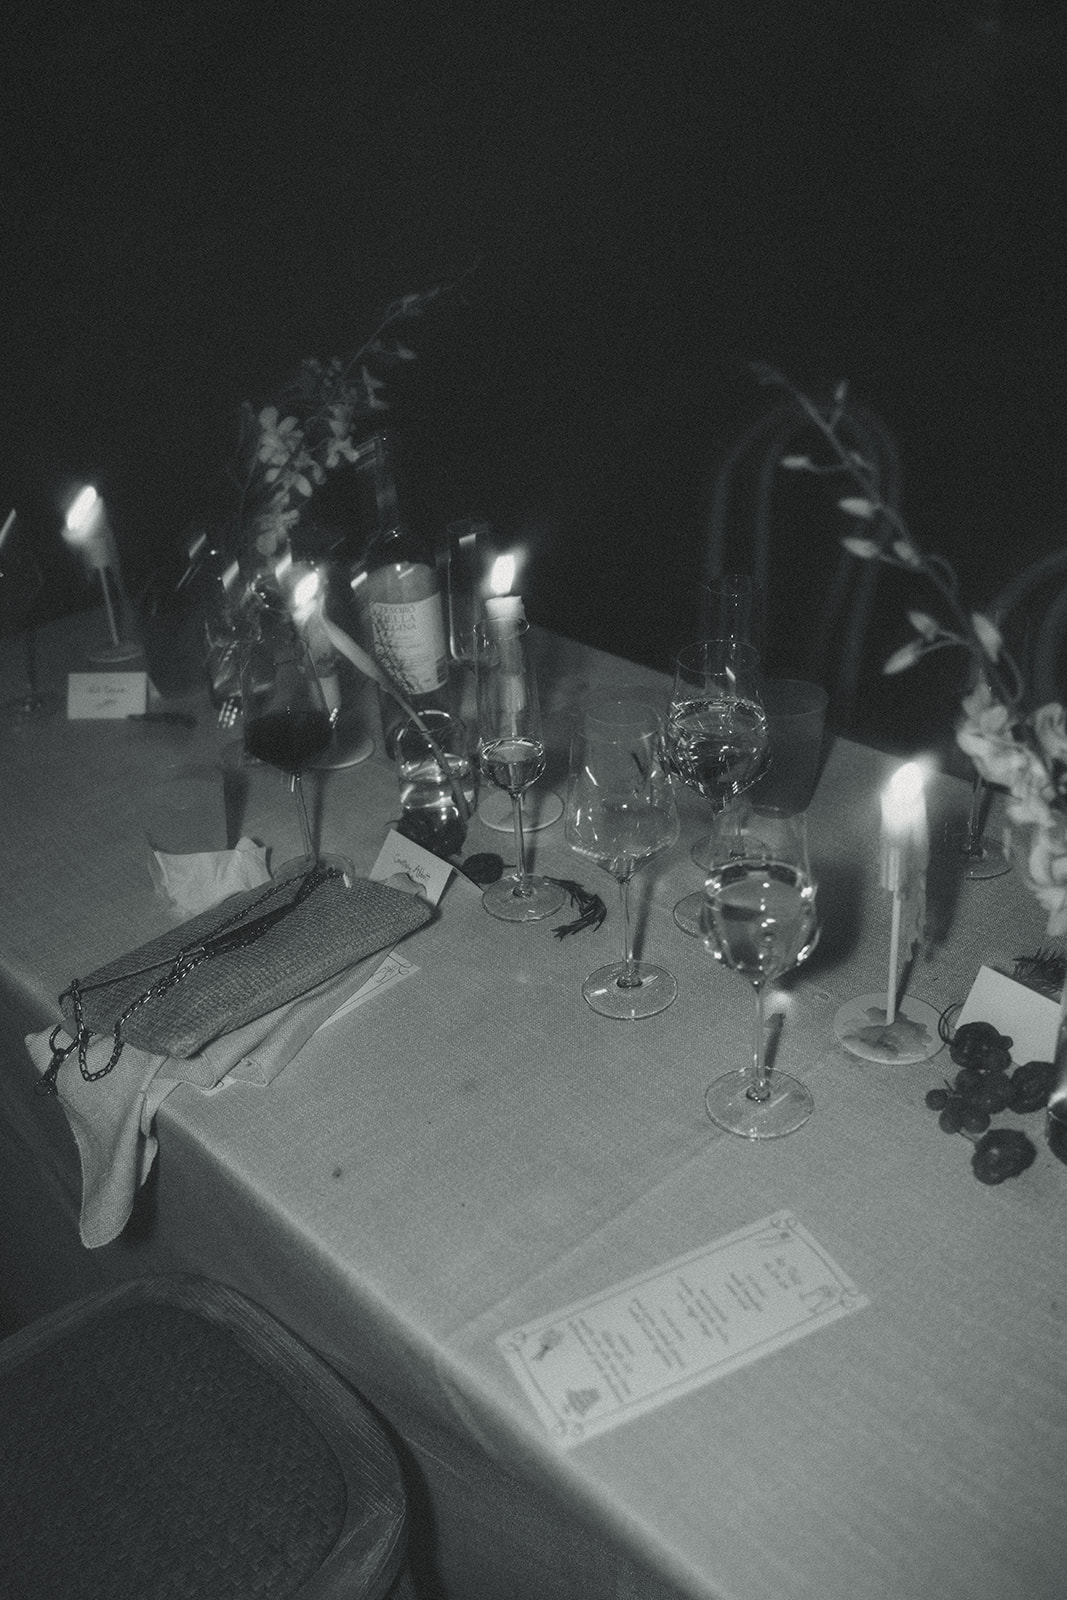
pixel 194 883
pixel 112 1116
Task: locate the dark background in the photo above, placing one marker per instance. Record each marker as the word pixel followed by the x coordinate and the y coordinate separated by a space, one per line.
pixel 637 206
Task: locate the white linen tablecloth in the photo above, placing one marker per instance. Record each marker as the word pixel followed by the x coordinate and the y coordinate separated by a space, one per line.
pixel 476 1147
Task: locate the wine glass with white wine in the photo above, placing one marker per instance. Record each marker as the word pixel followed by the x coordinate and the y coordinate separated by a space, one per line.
pixel 759 918
pixel 621 813
pixel 716 738
pixel 511 752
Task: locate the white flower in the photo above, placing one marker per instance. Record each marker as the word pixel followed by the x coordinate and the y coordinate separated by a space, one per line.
pixel 1050 726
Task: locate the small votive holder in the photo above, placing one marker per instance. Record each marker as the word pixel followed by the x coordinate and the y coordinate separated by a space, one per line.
pixel 437 786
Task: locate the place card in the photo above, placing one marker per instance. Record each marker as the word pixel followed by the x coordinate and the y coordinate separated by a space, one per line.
pixel 635 1347
pixel 1031 1021
pixel 106 695
pixel 403 858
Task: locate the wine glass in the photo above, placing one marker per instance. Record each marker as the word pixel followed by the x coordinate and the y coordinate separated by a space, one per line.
pixel 286 723
pixel 716 739
pixel 759 918
pixel 981 857
pixel 511 752
pixel 620 813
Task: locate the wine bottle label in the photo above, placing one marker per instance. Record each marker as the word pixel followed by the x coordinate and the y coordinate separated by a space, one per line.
pixel 409 640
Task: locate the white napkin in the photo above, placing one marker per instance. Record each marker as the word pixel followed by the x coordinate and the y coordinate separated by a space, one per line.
pixel 195 883
pixel 113 1119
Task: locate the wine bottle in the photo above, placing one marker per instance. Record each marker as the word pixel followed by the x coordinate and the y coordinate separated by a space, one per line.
pixel 402 602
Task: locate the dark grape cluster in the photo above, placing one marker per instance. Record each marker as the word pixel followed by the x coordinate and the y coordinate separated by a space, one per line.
pixel 985 1085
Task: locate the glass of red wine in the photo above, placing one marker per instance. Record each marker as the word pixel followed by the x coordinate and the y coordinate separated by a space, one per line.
pixel 286 724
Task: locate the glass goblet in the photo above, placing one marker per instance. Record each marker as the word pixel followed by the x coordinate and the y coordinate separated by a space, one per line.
pixel 716 739
pixel 759 918
pixel 511 753
pixel 286 724
pixel 980 856
pixel 621 813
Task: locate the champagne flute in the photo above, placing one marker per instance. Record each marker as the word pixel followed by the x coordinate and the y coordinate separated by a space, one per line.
pixel 759 918
pixel 511 752
pixel 286 723
pixel 620 813
pixel 716 739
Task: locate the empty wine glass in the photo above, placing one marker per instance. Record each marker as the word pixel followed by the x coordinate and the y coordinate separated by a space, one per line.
pixel 981 857
pixel 759 918
pixel 286 722
pixel 716 739
pixel 620 813
pixel 511 752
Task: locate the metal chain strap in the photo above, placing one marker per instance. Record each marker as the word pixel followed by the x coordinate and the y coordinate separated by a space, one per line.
pixel 220 942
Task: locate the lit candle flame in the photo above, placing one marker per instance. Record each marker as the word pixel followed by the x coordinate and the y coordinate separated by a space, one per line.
pixel 82 513
pixel 305 591
pixel 903 805
pixel 88 531
pixel 502 574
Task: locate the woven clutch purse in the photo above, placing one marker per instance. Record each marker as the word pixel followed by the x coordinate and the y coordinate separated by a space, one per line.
pixel 306 941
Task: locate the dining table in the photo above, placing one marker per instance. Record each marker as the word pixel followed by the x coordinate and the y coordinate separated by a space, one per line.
pixel 622 1352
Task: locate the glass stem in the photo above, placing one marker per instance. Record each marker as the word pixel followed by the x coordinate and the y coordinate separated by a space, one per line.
pixel 522 885
pixel 297 787
pixel 973 847
pixel 760 1089
pixel 628 979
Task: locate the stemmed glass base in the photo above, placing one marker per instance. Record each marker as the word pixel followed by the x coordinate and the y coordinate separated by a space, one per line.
pixel 628 992
pixel 515 899
pixel 688 911
pixel 984 860
pixel 731 1104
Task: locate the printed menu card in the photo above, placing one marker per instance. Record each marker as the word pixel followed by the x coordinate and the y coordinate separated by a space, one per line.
pixel 616 1355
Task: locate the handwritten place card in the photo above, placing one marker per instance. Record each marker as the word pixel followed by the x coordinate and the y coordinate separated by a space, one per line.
pixel 92 695
pixel 619 1354
pixel 400 857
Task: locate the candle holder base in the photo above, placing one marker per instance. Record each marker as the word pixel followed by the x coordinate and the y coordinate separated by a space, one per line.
pixel 861 1027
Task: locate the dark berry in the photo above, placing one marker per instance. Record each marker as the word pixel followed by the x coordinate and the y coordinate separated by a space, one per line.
pixel 484 867
pixel 986 1091
pixel 980 1045
pixel 936 1099
pixel 1031 1086
pixel 1002 1153
pixel 1056 1134
pixel 951 1118
pixel 974 1120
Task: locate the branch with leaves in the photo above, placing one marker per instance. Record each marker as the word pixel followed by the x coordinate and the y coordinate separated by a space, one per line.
pixel 1023 750
pixel 972 631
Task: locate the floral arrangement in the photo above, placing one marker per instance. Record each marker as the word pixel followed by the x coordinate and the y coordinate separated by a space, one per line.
pixel 286 449
pixel 1011 743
